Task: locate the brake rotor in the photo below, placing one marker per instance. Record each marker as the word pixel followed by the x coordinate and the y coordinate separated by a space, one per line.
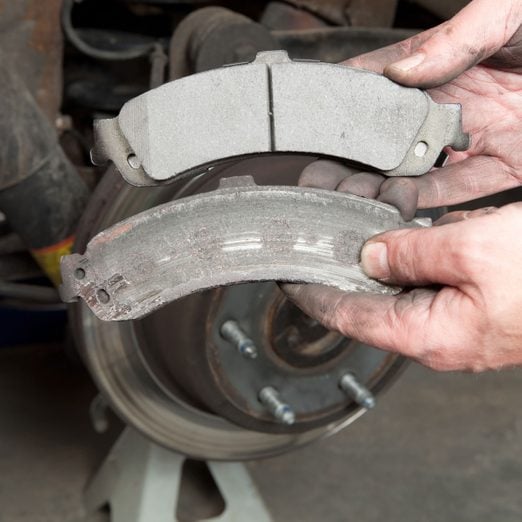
pixel 175 378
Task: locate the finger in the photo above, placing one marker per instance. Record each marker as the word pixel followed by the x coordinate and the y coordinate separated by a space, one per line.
pixel 377 60
pixel 463 215
pixel 416 257
pixel 364 184
pixel 510 56
pixel 469 179
pixel 477 32
pixel 318 301
pixel 394 323
pixel 324 174
pixel 420 324
pixel 402 193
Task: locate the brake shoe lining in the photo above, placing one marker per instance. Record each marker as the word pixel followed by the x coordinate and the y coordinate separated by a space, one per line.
pixel 239 233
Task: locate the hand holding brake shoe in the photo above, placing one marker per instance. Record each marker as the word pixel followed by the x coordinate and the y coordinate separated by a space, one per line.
pixel 472 321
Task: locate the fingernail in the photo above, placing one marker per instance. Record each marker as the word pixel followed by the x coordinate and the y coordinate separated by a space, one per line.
pixel 408 63
pixel 374 260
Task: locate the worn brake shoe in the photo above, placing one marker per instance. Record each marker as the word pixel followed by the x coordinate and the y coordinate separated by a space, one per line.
pixel 239 233
pixel 276 105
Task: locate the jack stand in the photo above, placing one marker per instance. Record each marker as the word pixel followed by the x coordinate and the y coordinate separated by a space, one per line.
pixel 140 481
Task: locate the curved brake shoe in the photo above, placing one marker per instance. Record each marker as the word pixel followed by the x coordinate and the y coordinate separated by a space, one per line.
pixel 239 233
pixel 277 105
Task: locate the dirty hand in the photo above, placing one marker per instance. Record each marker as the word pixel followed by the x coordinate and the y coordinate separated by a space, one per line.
pixel 445 60
pixel 471 321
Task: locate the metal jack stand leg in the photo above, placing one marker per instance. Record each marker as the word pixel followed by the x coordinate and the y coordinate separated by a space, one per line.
pixel 140 482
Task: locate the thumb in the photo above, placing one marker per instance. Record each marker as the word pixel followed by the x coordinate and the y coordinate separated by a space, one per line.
pixel 416 257
pixel 477 32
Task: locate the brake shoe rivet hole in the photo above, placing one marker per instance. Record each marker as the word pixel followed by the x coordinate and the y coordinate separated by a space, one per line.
pixel 103 296
pixel 79 274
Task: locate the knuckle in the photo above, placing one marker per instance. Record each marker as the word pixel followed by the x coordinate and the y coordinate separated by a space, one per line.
pixel 439 358
pixel 418 336
pixel 356 62
pixel 462 351
pixel 467 252
pixel 352 319
pixel 402 253
pixel 324 308
pixel 405 320
pixel 410 45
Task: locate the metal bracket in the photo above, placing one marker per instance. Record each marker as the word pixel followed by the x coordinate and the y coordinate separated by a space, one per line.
pixel 140 481
pixel 237 234
pixel 276 105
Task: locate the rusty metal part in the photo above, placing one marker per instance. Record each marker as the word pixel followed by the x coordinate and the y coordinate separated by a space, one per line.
pixel 40 192
pixel 281 16
pixel 276 105
pixel 28 139
pixel 366 13
pixel 371 13
pixel 44 207
pixel 336 44
pixel 31 44
pixel 212 37
pixel 237 234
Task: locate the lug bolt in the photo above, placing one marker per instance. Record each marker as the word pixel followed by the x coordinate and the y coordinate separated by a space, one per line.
pixel 357 391
pixel 282 412
pixel 232 332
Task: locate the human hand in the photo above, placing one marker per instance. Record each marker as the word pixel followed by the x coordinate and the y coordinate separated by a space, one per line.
pixel 472 321
pixel 449 59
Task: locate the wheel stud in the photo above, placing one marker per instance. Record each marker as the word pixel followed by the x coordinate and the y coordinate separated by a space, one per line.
pixel 357 391
pixel 281 411
pixel 232 332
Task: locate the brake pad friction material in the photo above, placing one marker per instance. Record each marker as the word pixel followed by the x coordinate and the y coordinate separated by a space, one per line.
pixel 276 105
pixel 237 234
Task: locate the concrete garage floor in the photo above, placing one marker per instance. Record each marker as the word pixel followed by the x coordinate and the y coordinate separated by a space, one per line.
pixel 437 448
